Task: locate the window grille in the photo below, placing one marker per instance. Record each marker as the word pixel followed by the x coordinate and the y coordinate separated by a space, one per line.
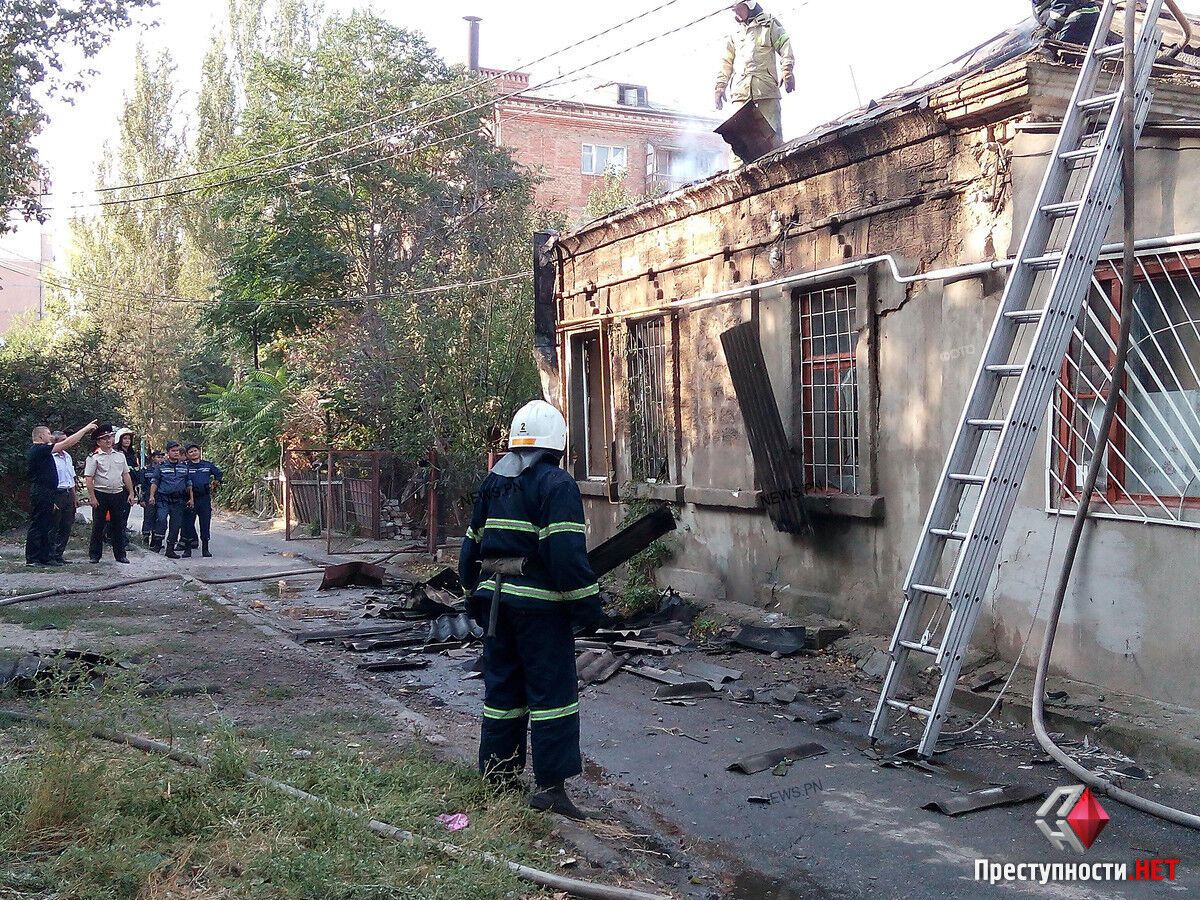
pixel 646 367
pixel 1151 469
pixel 829 389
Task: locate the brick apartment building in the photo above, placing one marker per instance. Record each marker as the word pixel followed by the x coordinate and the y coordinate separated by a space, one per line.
pixel 573 142
pixel 24 255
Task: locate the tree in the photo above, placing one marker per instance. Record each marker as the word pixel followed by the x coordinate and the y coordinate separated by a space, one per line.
pixel 333 260
pixel 609 196
pixel 48 376
pixel 33 36
pixel 131 260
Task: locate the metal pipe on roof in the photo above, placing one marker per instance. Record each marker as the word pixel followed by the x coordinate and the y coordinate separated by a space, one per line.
pixel 473 42
pixel 954 273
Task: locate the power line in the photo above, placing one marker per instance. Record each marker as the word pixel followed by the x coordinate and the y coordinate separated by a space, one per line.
pixel 252 176
pixel 440 98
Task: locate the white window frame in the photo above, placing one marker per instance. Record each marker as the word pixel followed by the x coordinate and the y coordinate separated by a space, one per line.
pixel 590 156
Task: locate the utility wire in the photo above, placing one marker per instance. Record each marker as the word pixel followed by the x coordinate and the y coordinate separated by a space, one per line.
pixel 423 125
pixel 441 97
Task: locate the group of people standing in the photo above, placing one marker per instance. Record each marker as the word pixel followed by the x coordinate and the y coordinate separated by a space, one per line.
pixel 174 490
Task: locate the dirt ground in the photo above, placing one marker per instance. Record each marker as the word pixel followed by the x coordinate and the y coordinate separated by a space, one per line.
pixel 838 824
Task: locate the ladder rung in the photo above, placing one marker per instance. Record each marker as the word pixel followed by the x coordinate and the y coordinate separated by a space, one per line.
pixel 932 589
pixel 1110 51
pixel 949 534
pixel 908 707
pixel 967 478
pixel 1025 315
pixel 986 424
pixel 1099 102
pixel 1059 210
pixel 1005 370
pixel 1081 153
pixel 920 648
pixel 1049 261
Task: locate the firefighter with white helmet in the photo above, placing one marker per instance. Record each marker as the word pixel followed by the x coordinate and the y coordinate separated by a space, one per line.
pixel 528 516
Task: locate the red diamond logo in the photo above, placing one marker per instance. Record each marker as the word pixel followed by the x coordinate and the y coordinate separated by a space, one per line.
pixel 1087 818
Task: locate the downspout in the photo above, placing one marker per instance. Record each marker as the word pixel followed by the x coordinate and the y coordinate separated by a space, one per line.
pixel 955 273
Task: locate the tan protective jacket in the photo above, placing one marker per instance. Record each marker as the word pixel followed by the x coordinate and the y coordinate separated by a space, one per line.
pixel 748 68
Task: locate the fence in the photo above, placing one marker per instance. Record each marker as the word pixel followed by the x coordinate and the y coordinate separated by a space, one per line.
pixel 368 501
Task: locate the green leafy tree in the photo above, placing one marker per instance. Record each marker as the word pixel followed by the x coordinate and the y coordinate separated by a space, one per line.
pixel 332 261
pixel 609 196
pixel 33 37
pixel 131 260
pixel 48 376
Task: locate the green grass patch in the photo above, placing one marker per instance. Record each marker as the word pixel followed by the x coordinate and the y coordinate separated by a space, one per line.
pixel 88 819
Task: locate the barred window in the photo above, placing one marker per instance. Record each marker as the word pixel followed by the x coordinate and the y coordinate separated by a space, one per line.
pixel 1151 467
pixel 829 389
pixel 646 375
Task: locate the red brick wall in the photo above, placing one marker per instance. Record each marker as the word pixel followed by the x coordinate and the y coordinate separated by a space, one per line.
pixel 551 145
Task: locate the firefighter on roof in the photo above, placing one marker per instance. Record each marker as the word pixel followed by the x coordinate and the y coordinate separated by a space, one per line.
pixel 758 61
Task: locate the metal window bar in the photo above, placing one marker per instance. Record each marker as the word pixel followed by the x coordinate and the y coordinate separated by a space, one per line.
pixel 1153 456
pixel 646 364
pixel 829 389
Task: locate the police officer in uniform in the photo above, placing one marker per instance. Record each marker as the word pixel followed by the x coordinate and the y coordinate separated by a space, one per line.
pixel 148 511
pixel 171 496
pixel 528 507
pixel 204 476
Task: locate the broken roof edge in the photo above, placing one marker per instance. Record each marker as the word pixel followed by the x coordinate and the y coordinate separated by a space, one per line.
pixel 986 95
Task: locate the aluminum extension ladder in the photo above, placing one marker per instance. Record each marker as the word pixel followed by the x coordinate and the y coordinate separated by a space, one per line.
pixel 961 537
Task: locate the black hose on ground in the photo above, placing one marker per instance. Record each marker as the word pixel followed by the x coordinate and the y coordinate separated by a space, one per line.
pixel 1128 147
pixel 572 886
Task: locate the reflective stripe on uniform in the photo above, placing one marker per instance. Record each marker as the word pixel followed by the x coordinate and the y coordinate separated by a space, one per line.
pixel 546 715
pixel 471 535
pixel 561 527
pixel 536 593
pixel 510 525
pixel 490 712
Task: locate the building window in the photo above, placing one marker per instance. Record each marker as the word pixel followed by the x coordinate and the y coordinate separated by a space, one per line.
pixel 669 168
pixel 631 95
pixel 829 389
pixel 588 455
pixel 600 160
pixel 645 380
pixel 1151 467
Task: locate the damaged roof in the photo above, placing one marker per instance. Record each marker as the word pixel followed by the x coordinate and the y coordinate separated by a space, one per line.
pixel 1012 44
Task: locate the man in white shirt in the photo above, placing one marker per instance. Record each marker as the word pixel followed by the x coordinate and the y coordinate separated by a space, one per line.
pixel 110 493
pixel 64 499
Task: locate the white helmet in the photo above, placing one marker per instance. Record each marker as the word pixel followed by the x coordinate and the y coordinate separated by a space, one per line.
pixel 538 424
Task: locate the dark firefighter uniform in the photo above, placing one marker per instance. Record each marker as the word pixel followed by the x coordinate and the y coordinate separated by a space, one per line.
pixel 202 474
pixel 172 480
pixel 531 508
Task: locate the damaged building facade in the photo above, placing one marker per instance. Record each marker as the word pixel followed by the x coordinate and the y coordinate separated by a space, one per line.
pixel 878 245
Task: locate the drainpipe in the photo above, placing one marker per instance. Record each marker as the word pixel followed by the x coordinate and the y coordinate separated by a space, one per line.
pixel 955 273
pixel 473 42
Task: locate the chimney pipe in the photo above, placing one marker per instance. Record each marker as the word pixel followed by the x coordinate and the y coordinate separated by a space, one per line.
pixel 473 46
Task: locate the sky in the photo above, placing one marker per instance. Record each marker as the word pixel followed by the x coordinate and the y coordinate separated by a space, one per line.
pixel 846 54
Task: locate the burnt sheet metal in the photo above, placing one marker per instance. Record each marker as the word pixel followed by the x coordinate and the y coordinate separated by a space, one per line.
pixel 1006 795
pixel 784 640
pixel 352 574
pixel 456 628
pixel 643 647
pixel 692 690
pixel 355 631
pixel 394 664
pixel 372 645
pixel 782 480
pixel 663 676
pixel 710 672
pixel 631 540
pixel 748 133
pixel 446 580
pixel 760 762
pixel 597 666
pixel 32 671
